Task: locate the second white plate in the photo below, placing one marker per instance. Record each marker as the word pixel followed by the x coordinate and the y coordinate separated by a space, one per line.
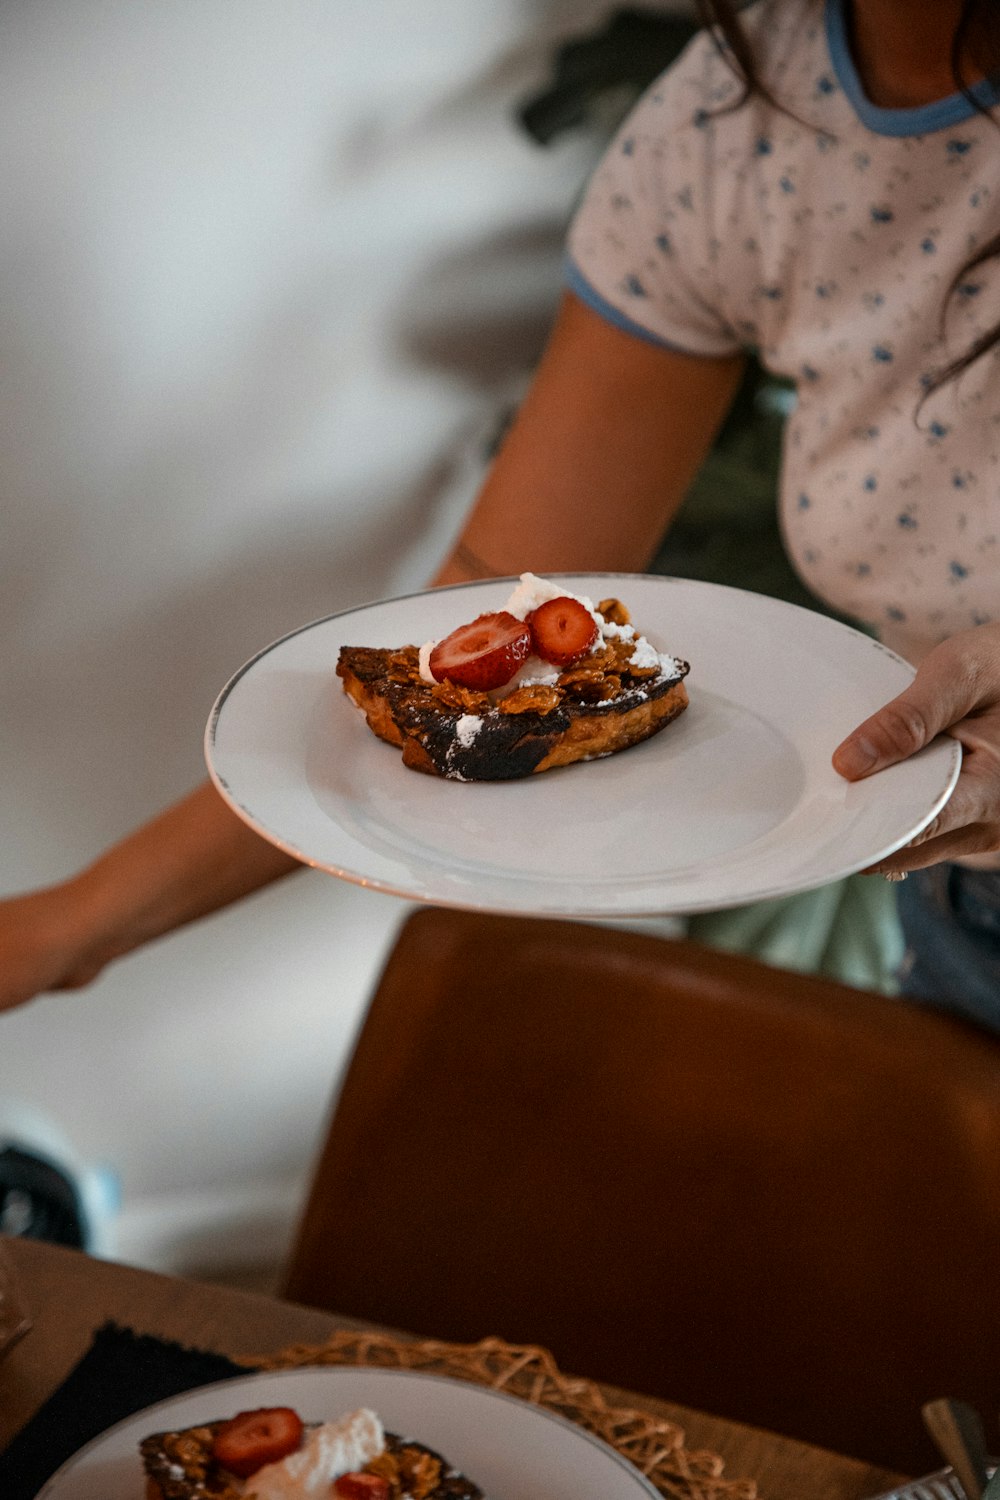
pixel 509 1448
pixel 736 801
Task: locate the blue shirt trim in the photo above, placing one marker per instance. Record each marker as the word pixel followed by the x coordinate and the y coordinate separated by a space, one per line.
pixel 920 120
pixel 577 283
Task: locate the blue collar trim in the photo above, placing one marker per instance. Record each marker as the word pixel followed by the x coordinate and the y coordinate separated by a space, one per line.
pixel 920 120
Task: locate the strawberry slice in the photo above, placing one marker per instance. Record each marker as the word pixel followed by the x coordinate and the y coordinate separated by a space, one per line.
pixel 484 654
pixel 562 631
pixel 252 1439
pixel 361 1487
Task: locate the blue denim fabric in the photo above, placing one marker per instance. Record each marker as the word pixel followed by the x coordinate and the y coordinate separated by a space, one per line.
pixel 951 924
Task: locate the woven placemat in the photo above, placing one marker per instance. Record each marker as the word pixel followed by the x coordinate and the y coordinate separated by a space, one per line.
pixel 655 1447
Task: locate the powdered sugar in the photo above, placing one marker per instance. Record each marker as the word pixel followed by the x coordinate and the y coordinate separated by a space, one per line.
pixel 467 728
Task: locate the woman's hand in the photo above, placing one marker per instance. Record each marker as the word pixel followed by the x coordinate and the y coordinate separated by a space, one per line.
pixel 43 946
pixel 957 692
pixel 191 860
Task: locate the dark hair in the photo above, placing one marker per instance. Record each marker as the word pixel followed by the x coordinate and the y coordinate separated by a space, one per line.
pixel 976 40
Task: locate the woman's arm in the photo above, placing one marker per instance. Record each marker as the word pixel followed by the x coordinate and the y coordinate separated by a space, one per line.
pixel 187 862
pixel 599 457
pixel 595 464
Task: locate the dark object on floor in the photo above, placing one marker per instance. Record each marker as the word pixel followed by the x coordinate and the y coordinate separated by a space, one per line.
pixel 38 1201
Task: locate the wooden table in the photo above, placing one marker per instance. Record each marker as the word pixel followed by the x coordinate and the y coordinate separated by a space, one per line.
pixel 71 1295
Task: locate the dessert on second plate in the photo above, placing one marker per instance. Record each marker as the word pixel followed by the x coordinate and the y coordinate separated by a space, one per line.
pixel 548 680
pixel 271 1454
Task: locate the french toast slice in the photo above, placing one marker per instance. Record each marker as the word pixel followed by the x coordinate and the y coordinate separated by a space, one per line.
pixel 181 1466
pixel 612 698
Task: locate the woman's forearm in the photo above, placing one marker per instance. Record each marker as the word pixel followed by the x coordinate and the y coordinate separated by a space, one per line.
pixel 192 859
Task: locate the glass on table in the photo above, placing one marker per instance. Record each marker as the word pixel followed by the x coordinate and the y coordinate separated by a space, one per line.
pixel 15 1319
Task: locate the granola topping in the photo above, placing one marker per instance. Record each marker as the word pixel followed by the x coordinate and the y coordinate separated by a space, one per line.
pixel 411 1473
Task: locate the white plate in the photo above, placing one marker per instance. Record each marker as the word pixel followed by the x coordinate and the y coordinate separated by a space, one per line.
pixel 734 802
pixel 510 1449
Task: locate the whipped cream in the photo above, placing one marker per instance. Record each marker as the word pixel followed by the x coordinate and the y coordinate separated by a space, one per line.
pixel 425 661
pixel 532 591
pixel 332 1449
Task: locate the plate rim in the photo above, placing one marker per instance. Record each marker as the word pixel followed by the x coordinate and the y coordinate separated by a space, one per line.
pixel 542 908
pixel 326 1371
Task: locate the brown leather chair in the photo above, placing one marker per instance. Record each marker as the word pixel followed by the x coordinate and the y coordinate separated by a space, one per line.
pixel 760 1194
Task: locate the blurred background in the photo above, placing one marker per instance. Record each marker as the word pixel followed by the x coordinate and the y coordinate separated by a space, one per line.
pixel 272 273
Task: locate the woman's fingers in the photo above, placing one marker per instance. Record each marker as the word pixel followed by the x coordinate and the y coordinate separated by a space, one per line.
pixel 920 854
pixel 969 822
pixel 957 678
pixel 956 691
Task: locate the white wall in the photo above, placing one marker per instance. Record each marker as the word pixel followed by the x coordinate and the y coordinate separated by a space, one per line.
pixel 243 244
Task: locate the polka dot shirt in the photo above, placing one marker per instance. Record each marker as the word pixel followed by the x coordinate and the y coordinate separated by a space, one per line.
pixel 825 236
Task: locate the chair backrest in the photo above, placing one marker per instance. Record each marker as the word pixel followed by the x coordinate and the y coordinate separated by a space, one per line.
pixel 753 1192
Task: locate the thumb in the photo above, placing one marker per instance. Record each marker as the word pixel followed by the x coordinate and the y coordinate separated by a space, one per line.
pixel 935 699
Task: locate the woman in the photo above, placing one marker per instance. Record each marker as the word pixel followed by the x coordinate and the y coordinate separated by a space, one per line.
pixel 813 181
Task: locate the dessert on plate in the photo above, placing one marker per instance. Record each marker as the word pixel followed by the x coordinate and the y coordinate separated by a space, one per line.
pixel 271 1454
pixel 549 679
